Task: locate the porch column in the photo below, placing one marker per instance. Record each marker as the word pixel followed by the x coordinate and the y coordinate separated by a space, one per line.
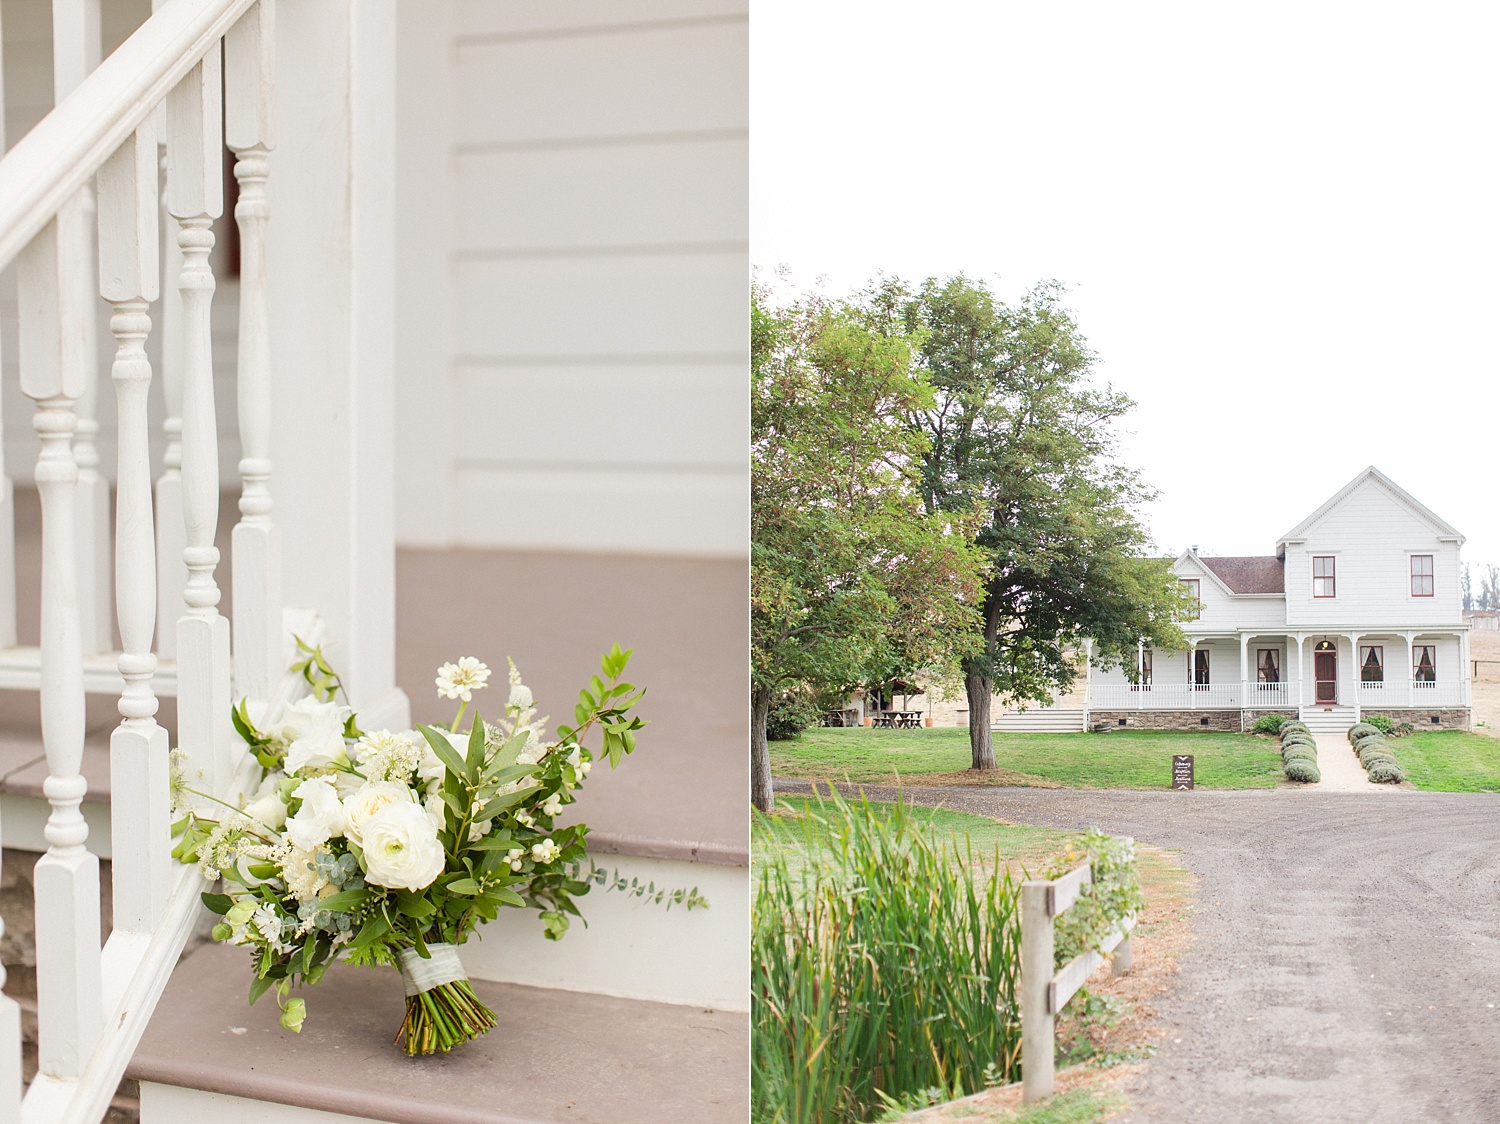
pixel 1354 665
pixel 1297 694
pixel 1192 690
pixel 1406 674
pixel 1244 676
pixel 331 304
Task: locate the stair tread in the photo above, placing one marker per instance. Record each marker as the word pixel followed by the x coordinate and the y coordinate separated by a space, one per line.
pixel 556 1055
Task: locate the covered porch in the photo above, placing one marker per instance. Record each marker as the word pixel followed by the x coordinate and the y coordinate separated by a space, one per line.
pixel 1247 670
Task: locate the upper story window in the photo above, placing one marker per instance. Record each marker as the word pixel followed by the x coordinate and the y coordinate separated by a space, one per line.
pixel 1323 576
pixel 1195 591
pixel 1421 575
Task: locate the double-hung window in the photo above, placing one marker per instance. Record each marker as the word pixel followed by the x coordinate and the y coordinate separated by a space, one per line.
pixel 1371 663
pixel 1421 575
pixel 1323 576
pixel 1424 664
pixel 1195 592
pixel 1268 665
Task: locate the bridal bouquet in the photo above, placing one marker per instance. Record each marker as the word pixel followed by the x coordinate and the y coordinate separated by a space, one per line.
pixel 387 848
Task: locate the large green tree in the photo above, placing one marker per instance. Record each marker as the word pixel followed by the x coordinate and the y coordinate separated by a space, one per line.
pixel 849 571
pixel 1017 428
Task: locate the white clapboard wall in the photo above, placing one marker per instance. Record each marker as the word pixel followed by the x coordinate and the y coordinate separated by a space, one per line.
pixel 573 275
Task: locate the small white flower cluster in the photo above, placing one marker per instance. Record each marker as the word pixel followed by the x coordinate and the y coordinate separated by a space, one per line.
pixel 384 756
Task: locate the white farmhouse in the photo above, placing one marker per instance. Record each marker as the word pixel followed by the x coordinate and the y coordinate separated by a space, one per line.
pixel 1359 610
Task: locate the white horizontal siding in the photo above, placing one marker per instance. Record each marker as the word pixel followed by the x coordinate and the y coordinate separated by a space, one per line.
pixel 1372 535
pixel 617 82
pixel 574 227
pixel 486 18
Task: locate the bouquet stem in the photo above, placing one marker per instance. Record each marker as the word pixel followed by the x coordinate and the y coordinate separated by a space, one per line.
pixel 447 1016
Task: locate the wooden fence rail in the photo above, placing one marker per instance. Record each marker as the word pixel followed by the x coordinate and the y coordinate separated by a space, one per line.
pixel 1045 992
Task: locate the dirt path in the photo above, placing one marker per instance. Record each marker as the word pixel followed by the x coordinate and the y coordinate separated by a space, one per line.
pixel 1347 965
pixel 1340 768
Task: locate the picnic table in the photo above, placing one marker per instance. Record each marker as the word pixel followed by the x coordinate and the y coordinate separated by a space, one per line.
pixel 899 719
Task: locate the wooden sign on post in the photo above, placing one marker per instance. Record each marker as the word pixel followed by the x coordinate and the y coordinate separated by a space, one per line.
pixel 1182 772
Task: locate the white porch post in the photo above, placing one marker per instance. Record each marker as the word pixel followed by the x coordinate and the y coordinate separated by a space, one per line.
pixel 1464 688
pixel 1406 675
pixel 1297 696
pixel 1192 657
pixel 1354 666
pixel 1244 669
pixel 331 269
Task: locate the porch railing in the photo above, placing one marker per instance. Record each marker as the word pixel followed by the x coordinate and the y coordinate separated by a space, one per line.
pixel 1412 693
pixel 1272 696
pixel 79 216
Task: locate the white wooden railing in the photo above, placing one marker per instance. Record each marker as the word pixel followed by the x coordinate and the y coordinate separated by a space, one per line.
pixel 80 213
pixel 1045 990
pixel 1412 693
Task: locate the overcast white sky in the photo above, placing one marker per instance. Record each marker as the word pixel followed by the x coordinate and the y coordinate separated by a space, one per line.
pixel 1280 223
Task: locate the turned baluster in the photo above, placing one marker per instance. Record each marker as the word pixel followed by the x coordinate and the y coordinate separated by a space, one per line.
pixel 171 536
pixel 51 312
pixel 248 55
pixel 195 198
pixel 75 55
pixel 128 253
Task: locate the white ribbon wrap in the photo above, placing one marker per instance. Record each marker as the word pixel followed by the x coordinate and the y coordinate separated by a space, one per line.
pixel 418 975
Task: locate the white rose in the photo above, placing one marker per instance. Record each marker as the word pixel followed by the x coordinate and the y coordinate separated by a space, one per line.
pixel 268 811
pixel 314 732
pixel 401 848
pixel 321 816
pixel 368 800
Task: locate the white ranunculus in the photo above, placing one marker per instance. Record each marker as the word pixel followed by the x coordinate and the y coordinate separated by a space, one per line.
pixel 314 732
pixel 368 800
pixel 401 848
pixel 321 816
pixel 436 809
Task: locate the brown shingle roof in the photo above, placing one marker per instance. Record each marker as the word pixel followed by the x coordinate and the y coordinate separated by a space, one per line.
pixel 1256 574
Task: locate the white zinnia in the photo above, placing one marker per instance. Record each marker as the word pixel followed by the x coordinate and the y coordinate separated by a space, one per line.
pixel 370 798
pixel 460 680
pixel 321 816
pixel 314 732
pixel 401 848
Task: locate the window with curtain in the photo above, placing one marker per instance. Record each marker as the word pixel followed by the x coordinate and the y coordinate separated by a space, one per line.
pixel 1371 663
pixel 1268 665
pixel 1421 575
pixel 1200 667
pixel 1323 576
pixel 1424 663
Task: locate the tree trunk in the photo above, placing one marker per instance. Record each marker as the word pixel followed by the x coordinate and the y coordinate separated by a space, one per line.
pixel 980 688
pixel 760 755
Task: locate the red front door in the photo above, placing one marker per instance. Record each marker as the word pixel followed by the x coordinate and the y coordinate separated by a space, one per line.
pixel 1326 673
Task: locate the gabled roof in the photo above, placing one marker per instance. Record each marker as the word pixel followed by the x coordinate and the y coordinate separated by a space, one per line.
pixel 1400 494
pixel 1253 574
pixel 1198 561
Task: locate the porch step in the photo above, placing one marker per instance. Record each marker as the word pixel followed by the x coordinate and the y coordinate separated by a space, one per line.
pixel 1047 719
pixel 1328 719
pixel 556 1055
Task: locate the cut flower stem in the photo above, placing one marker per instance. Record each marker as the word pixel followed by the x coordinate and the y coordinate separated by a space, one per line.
pixel 447 1016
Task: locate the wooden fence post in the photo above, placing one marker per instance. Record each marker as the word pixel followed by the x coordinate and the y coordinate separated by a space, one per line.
pixel 1037 1021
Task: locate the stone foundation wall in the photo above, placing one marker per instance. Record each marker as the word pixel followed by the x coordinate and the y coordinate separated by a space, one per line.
pixel 1448 718
pixel 1254 716
pixel 1166 719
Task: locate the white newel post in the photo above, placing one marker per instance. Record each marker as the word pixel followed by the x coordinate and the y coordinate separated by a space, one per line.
pixel 249 86
pixel 330 260
pixel 128 279
pixel 52 310
pixel 75 55
pixel 10 1050
pixel 195 197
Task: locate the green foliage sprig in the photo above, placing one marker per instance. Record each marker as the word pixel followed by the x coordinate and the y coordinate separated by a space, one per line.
pixel 1113 895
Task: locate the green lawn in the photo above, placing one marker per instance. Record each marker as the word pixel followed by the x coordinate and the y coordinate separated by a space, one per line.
pixel 783 834
pixel 1118 759
pixel 1450 760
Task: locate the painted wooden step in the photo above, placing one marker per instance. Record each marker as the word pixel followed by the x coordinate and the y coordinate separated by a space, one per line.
pixel 556 1056
pixel 1044 720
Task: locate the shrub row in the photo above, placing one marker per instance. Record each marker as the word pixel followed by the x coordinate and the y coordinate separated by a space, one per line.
pixel 1368 739
pixel 1299 753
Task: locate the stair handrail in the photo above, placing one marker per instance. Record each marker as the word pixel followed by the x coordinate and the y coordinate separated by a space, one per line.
pixel 47 167
pixel 94 1005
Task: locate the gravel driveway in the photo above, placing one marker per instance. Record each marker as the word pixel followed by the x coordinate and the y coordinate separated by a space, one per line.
pixel 1347 957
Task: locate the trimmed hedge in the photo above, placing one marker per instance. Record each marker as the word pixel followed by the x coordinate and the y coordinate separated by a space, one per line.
pixel 1294 727
pixel 1375 754
pixel 1304 772
pixel 1367 741
pixel 1386 773
pixel 1362 730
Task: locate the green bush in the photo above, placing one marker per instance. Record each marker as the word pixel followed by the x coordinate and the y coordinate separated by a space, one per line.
pixel 1374 754
pixel 1294 724
pixel 1303 771
pixel 1297 749
pixel 790 714
pixel 907 984
pixel 1363 730
pixel 1382 722
pixel 1297 739
pixel 1369 740
pixel 1269 723
pixel 1383 772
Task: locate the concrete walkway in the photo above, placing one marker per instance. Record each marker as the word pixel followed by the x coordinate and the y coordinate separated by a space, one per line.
pixel 1340 767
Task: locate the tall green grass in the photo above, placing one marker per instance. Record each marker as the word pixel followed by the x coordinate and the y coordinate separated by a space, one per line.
pixel 888 965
